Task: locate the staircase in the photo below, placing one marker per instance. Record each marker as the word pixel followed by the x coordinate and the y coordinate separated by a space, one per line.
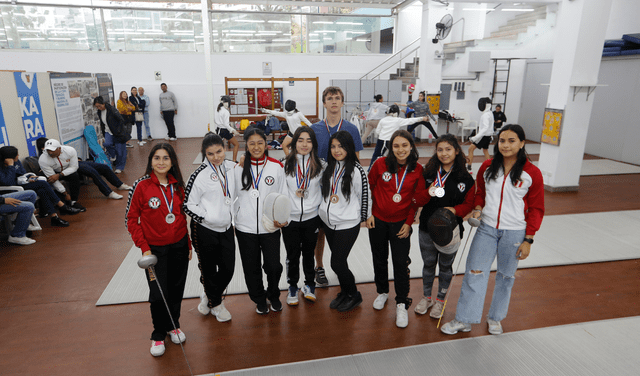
pixel 408 74
pixel 519 24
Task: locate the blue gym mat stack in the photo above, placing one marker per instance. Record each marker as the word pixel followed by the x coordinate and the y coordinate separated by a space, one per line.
pixel 628 45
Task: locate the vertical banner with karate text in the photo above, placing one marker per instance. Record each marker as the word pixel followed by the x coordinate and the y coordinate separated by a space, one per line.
pixel 30 109
pixel 4 138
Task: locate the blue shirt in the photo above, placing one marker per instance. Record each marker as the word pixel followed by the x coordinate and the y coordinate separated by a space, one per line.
pixel 323 136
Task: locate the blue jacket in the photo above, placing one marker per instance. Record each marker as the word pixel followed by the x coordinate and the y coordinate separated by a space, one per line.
pixel 9 174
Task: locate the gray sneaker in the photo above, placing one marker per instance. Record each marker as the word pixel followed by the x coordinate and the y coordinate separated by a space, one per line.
pixel 437 310
pixel 495 327
pixel 423 306
pixel 454 326
pixel 321 278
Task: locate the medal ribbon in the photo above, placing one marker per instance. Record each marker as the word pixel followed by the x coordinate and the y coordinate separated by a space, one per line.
pixel 441 180
pixel 225 185
pixel 336 178
pixel 326 124
pixel 302 176
pixel 170 206
pixel 255 181
pixel 399 188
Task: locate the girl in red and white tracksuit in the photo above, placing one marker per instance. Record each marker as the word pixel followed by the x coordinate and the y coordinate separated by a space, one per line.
pixel 259 176
pixel 510 201
pixel 346 203
pixel 394 181
pixel 303 169
pixel 209 201
pixel 158 226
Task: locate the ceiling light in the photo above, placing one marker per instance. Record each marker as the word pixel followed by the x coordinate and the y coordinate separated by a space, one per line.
pixel 518 10
pixel 479 9
pixel 59 38
pixel 139 39
pixel 176 19
pixel 250 21
pixel 275 21
pixel 323 22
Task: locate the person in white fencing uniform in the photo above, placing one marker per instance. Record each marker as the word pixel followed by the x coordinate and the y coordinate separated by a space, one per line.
pixel 222 126
pixel 482 139
pixel 294 118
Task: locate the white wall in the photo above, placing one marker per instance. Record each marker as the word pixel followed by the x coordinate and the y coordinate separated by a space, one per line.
pixel 408 25
pixel 624 19
pixel 184 75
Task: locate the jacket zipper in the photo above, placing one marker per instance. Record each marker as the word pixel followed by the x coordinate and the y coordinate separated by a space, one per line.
pixel 301 208
pixel 500 206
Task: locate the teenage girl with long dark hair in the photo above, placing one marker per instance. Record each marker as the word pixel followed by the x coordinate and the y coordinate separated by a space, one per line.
pixel 394 180
pixel 209 201
pixel 303 170
pixel 259 240
pixel 451 187
pixel 346 203
pixel 510 200
pixel 222 126
pixel 158 226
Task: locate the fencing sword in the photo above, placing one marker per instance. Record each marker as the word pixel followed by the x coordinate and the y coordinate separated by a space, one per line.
pixel 474 222
pixel 147 262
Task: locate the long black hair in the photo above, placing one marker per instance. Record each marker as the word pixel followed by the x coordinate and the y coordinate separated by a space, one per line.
pixel 346 142
pixel 498 160
pixel 433 166
pixel 315 165
pixel 210 139
pixel 412 159
pixel 175 167
pixel 246 166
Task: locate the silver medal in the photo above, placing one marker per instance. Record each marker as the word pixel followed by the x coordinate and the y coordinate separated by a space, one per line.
pixel 440 192
pixel 397 197
pixel 254 193
pixel 170 218
pixel 227 201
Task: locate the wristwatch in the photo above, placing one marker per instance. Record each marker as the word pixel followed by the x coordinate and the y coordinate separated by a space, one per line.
pixel 530 241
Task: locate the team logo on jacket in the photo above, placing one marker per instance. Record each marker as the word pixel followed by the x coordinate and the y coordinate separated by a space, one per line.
pixel 386 176
pixel 269 180
pixel 214 176
pixel 154 202
pixel 461 187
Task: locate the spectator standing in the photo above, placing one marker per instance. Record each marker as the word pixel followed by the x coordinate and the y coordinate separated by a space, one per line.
pixel 139 112
pixel 168 109
pixel 499 118
pixel 127 110
pixel 147 102
pixel 114 130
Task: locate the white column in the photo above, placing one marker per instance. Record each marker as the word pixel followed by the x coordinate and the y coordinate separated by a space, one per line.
pixel 206 31
pixel 582 25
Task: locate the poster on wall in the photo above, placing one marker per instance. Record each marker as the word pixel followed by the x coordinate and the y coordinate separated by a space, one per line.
pixel 4 138
pixel 30 109
pixel 551 126
pixel 105 87
pixel 73 95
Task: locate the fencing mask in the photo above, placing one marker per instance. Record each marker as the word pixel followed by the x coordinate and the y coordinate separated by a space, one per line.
pixel 444 231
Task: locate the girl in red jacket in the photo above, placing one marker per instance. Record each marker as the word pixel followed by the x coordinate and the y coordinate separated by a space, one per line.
pixel 510 201
pixel 394 180
pixel 158 226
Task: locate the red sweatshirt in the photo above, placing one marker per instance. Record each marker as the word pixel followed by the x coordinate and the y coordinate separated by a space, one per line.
pixel 383 187
pixel 147 211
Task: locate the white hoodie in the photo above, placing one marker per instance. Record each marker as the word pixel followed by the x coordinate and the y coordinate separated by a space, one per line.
pixel 248 210
pixel 294 119
pixel 303 209
pixel 345 214
pixel 205 200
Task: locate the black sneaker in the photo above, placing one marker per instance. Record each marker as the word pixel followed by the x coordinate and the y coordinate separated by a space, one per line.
pixel 350 302
pixel 78 206
pixel 59 222
pixel 321 278
pixel 69 210
pixel 276 306
pixel 338 300
pixel 262 308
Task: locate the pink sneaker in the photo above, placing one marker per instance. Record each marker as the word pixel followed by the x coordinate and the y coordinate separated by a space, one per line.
pixel 157 348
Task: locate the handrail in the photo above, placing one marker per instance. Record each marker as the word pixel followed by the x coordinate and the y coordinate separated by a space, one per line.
pixel 391 57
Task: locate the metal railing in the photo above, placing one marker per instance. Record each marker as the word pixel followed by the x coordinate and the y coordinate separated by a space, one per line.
pixel 391 58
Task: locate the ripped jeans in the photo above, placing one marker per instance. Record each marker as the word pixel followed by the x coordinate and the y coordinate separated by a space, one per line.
pixel 487 243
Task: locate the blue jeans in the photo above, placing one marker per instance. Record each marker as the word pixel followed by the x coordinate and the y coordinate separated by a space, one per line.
pixel 25 210
pixel 116 149
pixel 146 123
pixel 139 130
pixel 48 198
pixel 94 170
pixel 487 243
pixel 432 257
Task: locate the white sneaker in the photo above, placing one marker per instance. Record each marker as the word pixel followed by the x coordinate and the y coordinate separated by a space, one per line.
pixel 157 348
pixel 203 306
pixel 402 317
pixel 495 327
pixel 423 306
pixel 454 326
pixel 172 138
pixel 125 187
pixel 114 196
pixel 306 292
pixel 292 296
pixel 438 309
pixel 221 313
pixel 141 143
pixel 34 228
pixel 166 138
pixel 177 336
pixel 112 159
pixel 380 301
pixel 22 241
pixel 118 171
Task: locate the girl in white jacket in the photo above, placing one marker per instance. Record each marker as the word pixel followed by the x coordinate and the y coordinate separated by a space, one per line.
pixel 222 126
pixel 209 200
pixel 303 169
pixel 259 176
pixel 346 202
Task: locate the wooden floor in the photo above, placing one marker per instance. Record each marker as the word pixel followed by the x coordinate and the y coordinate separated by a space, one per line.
pixel 50 324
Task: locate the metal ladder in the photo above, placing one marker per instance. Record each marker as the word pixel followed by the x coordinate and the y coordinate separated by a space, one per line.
pixel 500 83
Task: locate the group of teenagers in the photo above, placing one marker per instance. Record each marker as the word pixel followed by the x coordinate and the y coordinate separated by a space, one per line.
pixel 330 193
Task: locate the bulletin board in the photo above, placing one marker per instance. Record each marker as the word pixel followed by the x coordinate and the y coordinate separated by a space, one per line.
pixel 434 103
pixel 251 94
pixel 552 126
